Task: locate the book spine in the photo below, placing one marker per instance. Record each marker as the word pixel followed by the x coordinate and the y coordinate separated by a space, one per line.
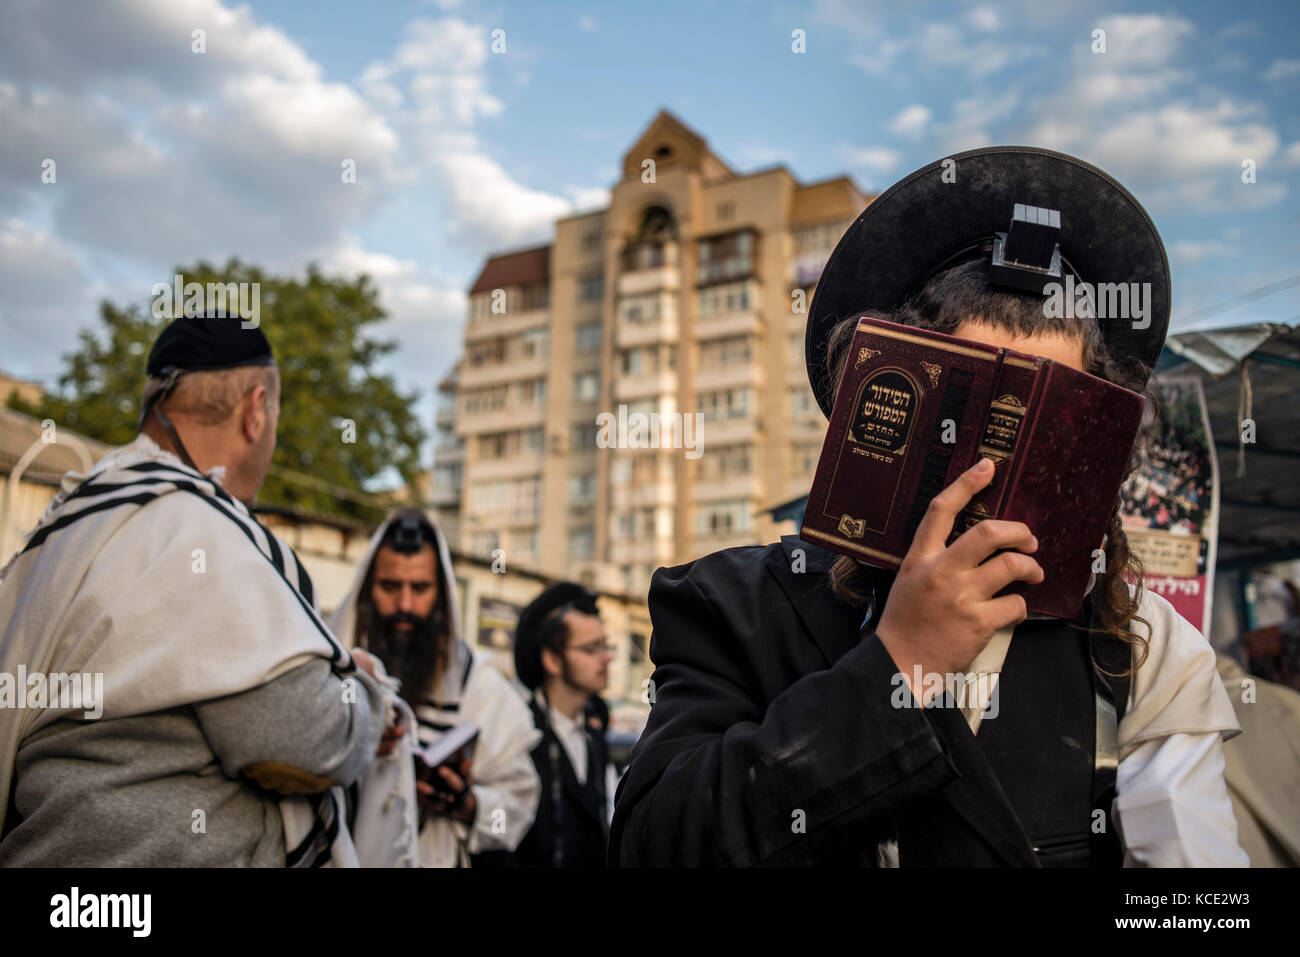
pixel 1025 445
pixel 1014 389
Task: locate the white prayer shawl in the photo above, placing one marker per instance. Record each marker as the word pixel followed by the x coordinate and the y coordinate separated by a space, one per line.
pixel 104 584
pixel 505 783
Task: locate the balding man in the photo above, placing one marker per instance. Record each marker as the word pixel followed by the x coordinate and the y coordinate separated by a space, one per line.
pixel 230 717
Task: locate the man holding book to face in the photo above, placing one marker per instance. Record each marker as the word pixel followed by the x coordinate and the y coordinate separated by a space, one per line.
pixel 785 728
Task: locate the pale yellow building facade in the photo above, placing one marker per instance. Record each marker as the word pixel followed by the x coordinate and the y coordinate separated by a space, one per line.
pixel 685 298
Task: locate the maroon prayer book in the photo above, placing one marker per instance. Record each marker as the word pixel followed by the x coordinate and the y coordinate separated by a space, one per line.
pixel 917 408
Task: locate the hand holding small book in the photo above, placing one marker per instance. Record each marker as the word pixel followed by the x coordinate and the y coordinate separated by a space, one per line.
pixel 941 610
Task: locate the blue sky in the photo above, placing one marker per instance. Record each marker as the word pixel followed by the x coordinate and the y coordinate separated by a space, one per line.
pixel 165 155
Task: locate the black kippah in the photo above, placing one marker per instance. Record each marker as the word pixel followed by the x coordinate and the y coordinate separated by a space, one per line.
pixel 208 343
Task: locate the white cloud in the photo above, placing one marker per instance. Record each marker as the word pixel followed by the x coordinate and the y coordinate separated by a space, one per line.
pixel 911 121
pixel 586 23
pixel 1282 70
pixel 973 118
pixel 1192 251
pixel 983 18
pixel 1143 41
pixel 488 205
pixel 874 159
pixel 434 89
pixel 587 198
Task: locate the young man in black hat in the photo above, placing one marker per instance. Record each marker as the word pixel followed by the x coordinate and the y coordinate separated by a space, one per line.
pixel 223 689
pixel 562 656
pixel 775 736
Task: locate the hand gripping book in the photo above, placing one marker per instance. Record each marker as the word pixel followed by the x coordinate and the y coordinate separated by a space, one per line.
pixel 917 408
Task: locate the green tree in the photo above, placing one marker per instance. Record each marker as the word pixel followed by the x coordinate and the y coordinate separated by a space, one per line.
pixel 320 331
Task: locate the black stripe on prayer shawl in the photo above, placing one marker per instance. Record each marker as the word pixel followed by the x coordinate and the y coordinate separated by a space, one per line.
pixel 434 725
pixel 41 534
pixel 314 849
pixel 185 483
pixel 335 647
pixel 273 551
pixel 272 546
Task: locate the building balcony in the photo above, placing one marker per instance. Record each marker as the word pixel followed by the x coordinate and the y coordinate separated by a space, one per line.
pixel 630 386
pixel 745 485
pixel 719 325
pixel 641 550
pixel 727 431
pixel 638 496
pixel 730 376
pixel 646 333
pixel 449 454
pixel 501 420
pixel 509 324
pixel 444 496
pixel 500 373
pixel 649 280
pixel 518 465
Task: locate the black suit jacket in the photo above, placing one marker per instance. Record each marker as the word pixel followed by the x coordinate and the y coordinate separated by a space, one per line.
pixel 772 738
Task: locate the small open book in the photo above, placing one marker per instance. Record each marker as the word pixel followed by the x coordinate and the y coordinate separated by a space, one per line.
pixel 450 748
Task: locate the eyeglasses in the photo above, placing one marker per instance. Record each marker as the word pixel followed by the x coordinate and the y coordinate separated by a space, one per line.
pixel 595 648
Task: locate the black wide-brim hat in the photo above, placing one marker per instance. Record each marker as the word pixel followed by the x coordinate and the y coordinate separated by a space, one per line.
pixel 528 633
pixel 922 224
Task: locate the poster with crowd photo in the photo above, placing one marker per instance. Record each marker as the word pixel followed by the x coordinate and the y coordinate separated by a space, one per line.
pixel 1170 506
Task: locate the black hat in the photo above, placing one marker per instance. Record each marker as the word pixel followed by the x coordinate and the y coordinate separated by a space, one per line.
pixel 528 633
pixel 206 344
pixel 948 211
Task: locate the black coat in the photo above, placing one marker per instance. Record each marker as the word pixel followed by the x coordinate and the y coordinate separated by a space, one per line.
pixel 772 738
pixel 573 813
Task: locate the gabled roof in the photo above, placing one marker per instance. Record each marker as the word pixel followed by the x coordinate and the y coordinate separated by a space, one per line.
pixel 520 268
pixel 668 141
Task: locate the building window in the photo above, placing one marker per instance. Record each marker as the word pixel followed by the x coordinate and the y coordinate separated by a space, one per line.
pixel 582 542
pixel 535 296
pixel 726 462
pixel 591 288
pixel 718 353
pixel 728 403
pixel 483 544
pixel 584 437
pixel 801 401
pixel 721 258
pixel 723 518
pixel 588 337
pixel 532 391
pixel 533 343
pixel 591 241
pixel 726 211
pixel 487 353
pixel 586 386
pixel 582 488
pixel 725 299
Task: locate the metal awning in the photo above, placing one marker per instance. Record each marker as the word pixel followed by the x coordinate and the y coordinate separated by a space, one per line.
pixel 1250 372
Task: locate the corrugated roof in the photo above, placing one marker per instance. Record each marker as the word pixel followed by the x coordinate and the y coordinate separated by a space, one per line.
pixel 514 269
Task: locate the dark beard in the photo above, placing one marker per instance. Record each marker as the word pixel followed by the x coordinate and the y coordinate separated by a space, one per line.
pixel 412 657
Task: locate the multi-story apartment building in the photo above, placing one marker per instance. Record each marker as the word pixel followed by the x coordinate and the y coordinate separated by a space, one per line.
pixel 686 295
